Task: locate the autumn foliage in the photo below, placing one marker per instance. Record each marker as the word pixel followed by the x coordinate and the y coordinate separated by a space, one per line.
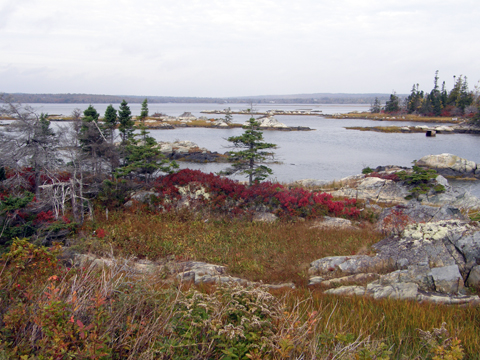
pixel 225 195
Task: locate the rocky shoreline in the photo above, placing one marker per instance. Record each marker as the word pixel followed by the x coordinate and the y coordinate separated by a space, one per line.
pixel 189 151
pixel 265 113
pixel 430 252
pixel 267 122
pixel 429 130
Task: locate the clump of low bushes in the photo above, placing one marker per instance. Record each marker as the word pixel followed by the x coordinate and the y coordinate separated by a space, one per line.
pixel 228 196
pixel 51 311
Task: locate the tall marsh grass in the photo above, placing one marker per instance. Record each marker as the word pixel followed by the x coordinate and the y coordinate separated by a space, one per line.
pixel 271 252
pixel 108 313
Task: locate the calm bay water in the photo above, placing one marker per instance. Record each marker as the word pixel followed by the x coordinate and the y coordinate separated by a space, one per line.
pixel 176 109
pixel 329 152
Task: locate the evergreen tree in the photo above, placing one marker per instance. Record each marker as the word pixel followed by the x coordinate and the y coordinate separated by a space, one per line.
pixel 476 118
pixel 228 116
pixel 393 104
pixel 144 111
pixel 444 96
pixel 455 92
pixel 376 107
pixel 248 161
pixel 90 132
pixel 110 122
pixel 92 139
pixel 466 97
pixel 435 97
pixel 427 107
pixel 414 100
pixel 127 125
pixel 90 114
pixel 144 159
pixel 460 96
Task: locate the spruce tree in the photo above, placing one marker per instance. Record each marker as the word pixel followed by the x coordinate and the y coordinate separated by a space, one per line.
pixel 248 160
pixel 110 122
pixel 393 104
pixel 144 111
pixel 435 97
pixel 90 132
pixel 144 159
pixel 90 114
pixel 127 125
pixel 376 107
pixel 228 116
pixel 92 139
pixel 414 100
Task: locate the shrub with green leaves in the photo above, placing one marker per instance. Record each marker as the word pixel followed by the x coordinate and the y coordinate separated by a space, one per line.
pixel 367 170
pixel 422 181
pixel 231 323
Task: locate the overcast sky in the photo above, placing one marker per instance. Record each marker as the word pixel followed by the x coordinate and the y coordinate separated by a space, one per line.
pixel 221 48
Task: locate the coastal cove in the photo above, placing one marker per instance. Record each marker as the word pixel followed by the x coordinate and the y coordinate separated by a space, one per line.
pixel 330 152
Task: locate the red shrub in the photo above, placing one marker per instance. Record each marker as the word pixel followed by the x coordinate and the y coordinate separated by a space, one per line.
pixel 393 176
pixel 44 217
pixel 227 195
pixel 100 233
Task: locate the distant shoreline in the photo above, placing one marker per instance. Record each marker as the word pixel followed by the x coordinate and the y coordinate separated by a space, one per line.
pixel 312 99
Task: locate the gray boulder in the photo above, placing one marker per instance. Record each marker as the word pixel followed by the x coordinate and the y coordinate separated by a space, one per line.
pixel 415 212
pixel 266 217
pixel 373 188
pixel 388 191
pixel 447 279
pixel 473 279
pixel 425 259
pixel 198 271
pixel 354 264
pixel 436 244
pixel 144 197
pixel 403 291
pixel 449 165
pixel 312 182
pixel 267 122
pixel 347 290
pixel 334 223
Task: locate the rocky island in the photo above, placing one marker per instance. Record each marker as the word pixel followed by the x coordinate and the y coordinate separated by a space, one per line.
pixel 264 113
pixel 267 122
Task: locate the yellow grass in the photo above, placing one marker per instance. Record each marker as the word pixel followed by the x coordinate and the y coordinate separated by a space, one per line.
pixel 388 117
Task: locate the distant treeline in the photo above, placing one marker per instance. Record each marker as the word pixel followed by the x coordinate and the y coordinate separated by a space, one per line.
pixel 459 101
pixel 279 99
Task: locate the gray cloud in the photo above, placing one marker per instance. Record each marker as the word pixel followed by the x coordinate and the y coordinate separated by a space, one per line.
pixel 231 47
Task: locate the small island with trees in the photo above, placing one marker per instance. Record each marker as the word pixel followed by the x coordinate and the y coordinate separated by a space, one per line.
pixel 460 106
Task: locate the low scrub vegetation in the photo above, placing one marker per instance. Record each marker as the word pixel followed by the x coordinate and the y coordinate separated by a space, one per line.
pixel 227 196
pixel 49 310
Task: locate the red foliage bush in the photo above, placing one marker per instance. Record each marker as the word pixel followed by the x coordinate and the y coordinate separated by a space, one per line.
pixel 44 217
pixel 230 196
pixel 393 177
pixel 100 233
pixel 28 174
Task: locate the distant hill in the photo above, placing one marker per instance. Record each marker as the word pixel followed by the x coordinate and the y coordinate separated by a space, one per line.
pixel 318 98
